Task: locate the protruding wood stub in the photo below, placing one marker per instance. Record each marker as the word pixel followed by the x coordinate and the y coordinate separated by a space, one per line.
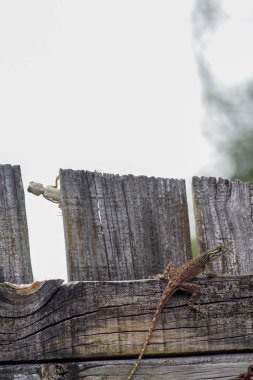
pixel 123 227
pixel 223 214
pixel 15 262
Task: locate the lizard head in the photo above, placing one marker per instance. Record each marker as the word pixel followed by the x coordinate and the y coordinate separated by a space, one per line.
pixel 216 252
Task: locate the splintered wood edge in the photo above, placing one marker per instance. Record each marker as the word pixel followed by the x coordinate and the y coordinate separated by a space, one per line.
pixel 19 300
pixel 26 289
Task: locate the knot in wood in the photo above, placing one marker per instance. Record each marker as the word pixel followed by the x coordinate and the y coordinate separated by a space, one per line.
pixel 53 371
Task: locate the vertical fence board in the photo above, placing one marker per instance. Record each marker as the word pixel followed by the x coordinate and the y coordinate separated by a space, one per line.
pixel 122 227
pixel 15 263
pixel 224 214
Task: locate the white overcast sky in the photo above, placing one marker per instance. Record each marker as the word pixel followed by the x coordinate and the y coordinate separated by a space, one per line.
pixel 109 86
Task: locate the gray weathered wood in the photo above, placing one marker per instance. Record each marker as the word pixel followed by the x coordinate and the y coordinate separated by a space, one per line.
pixel 15 263
pixel 50 321
pixel 122 227
pixel 211 367
pixel 224 214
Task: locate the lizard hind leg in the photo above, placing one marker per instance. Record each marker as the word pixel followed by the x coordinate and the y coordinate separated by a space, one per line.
pixel 194 290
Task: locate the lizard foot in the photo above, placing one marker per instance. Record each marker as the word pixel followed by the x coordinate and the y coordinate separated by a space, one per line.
pixel 158 277
pixel 210 274
pixel 197 311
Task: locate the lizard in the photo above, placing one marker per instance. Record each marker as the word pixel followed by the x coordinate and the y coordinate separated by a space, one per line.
pixel 51 193
pixel 245 375
pixel 178 279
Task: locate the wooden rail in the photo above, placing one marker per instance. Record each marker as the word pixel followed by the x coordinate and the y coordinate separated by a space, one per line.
pixel 195 368
pixel 110 319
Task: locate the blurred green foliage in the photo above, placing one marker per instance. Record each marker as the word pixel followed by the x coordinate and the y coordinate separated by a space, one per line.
pixel 194 247
pixel 229 110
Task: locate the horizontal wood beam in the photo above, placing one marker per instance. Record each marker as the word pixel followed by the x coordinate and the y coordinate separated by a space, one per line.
pixel 191 368
pixel 52 321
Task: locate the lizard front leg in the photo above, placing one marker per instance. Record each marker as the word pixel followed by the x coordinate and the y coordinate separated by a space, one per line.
pixel 169 272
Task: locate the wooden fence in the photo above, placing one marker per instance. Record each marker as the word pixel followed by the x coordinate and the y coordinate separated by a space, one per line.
pixel 118 231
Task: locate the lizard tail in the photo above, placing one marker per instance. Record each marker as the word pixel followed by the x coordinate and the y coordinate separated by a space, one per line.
pixel 147 339
pixel 135 366
pixel 165 296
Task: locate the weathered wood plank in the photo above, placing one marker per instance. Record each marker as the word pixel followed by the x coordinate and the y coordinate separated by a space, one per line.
pixel 51 321
pixel 122 227
pixel 15 263
pixel 211 367
pixel 224 213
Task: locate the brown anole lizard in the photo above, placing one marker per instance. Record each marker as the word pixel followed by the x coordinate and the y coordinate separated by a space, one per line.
pixel 245 375
pixel 178 279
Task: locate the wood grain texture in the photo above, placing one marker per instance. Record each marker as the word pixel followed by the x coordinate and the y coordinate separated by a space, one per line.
pixel 224 214
pixel 15 263
pixel 110 319
pixel 122 227
pixel 211 367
